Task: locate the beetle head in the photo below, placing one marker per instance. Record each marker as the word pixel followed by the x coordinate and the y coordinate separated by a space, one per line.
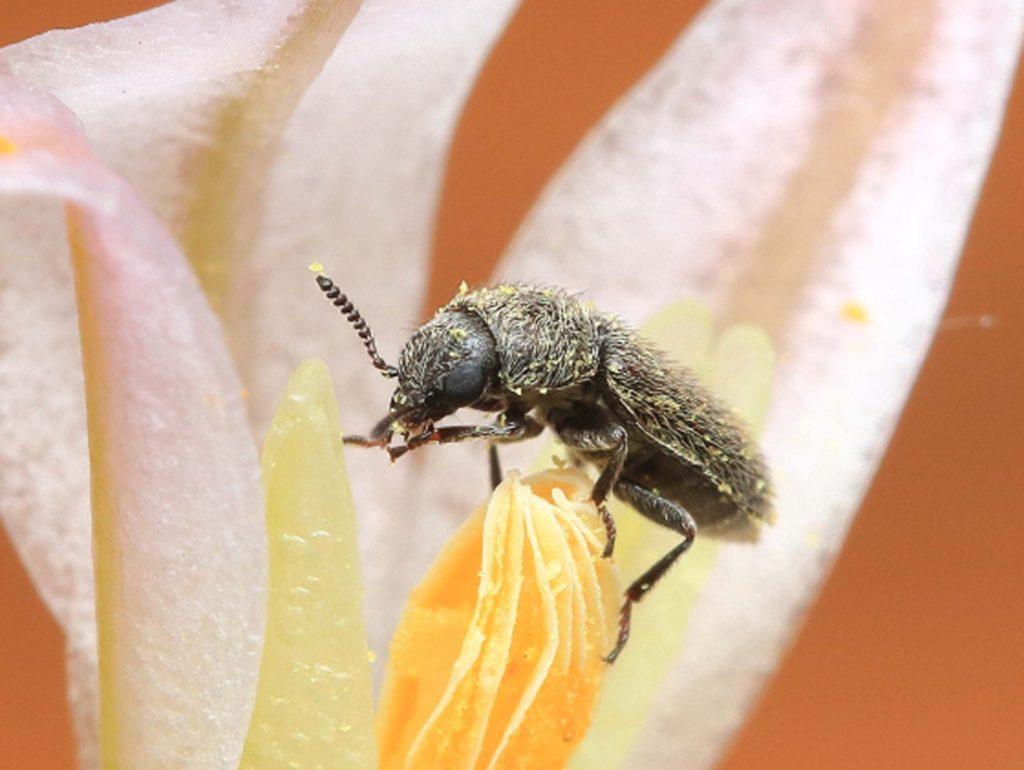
pixel 450 362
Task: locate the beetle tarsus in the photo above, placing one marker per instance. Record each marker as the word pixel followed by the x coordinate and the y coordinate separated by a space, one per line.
pixel 625 618
pixel 365 441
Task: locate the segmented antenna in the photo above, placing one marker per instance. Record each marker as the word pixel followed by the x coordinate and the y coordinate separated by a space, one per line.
pixel 347 309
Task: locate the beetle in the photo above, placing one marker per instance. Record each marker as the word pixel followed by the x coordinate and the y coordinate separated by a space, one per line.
pixel 542 358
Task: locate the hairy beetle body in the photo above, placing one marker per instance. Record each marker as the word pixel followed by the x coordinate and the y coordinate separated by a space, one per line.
pixel 543 358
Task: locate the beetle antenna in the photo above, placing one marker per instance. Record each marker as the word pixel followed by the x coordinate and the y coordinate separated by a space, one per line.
pixel 353 316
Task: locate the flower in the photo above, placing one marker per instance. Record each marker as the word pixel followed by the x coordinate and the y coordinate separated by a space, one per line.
pixel 782 163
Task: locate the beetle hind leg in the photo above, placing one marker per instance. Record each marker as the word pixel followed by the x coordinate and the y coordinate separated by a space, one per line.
pixel 661 511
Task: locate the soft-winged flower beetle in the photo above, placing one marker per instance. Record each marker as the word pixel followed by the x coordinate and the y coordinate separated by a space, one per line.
pixel 539 357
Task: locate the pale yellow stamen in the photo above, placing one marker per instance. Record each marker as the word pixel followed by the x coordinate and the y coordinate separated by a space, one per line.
pixel 314 699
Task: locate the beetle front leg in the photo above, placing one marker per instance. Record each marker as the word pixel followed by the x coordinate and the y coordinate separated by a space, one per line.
pixel 512 428
pixel 380 436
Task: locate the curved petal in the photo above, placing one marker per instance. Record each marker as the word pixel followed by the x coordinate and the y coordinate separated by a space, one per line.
pixel 355 187
pixel 44 469
pixel 811 170
pixel 180 555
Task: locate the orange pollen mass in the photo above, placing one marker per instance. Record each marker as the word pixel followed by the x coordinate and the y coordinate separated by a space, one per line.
pixel 497 661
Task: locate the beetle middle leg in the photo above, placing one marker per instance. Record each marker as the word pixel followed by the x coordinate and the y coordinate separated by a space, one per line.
pixel 494 465
pixel 590 433
pixel 661 511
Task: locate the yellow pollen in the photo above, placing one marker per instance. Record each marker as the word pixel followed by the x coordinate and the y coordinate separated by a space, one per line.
pixel 854 312
pixel 7 147
pixel 316 267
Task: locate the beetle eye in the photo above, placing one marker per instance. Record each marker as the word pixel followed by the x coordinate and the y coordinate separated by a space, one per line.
pixel 464 384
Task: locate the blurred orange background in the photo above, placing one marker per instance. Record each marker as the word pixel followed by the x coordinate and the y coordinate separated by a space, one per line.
pixel 914 654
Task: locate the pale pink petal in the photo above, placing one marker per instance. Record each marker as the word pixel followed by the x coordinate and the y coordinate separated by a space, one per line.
pixel 176 491
pixel 356 186
pixel 810 168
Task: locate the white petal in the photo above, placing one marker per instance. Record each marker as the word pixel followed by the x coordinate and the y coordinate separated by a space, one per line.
pixel 177 503
pixel 356 186
pixel 186 102
pixel 799 166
